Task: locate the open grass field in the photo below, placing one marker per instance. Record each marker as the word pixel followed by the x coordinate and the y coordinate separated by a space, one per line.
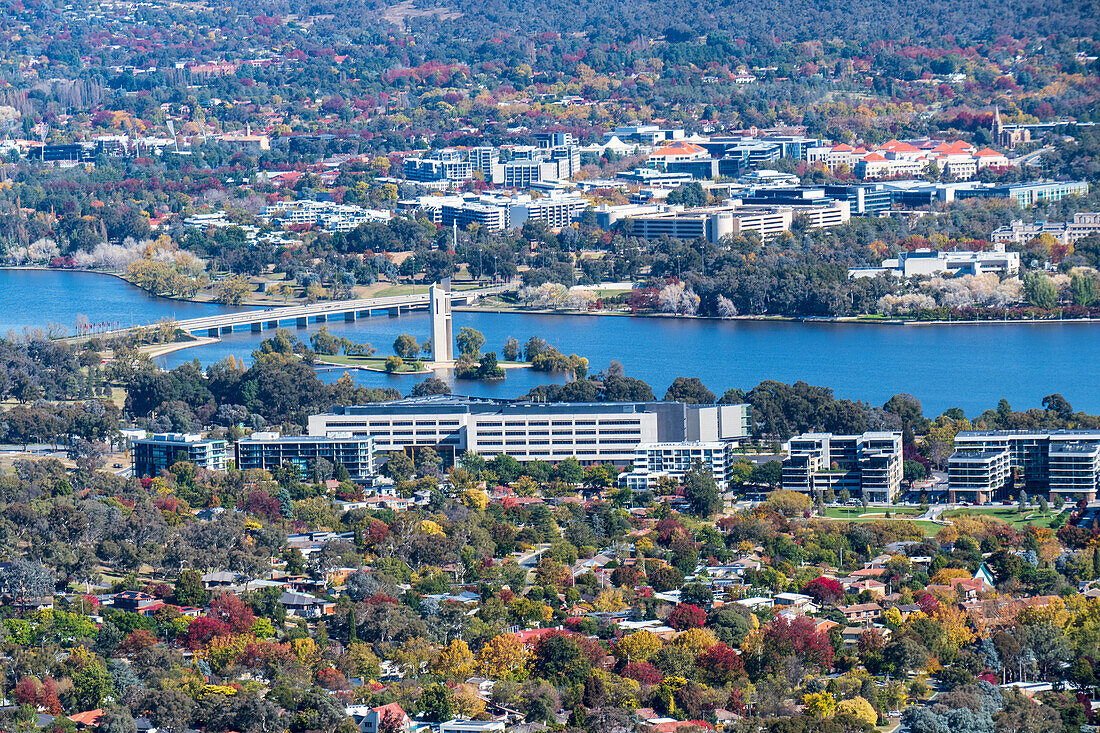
pixel 897 514
pixel 373 363
pixel 855 512
pixel 1009 514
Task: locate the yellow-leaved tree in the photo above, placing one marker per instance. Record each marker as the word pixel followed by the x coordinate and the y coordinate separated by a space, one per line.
pixel 502 656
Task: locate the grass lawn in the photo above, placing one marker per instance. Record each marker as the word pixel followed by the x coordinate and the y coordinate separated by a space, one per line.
pixel 875 512
pixel 413 290
pixel 1009 514
pixel 878 514
pixel 373 363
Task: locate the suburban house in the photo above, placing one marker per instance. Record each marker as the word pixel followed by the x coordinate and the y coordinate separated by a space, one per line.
pixel 861 613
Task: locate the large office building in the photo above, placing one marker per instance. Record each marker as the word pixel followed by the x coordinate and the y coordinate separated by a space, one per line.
pixel 269 451
pixel 157 453
pixel 925 262
pixel 713 223
pixel 590 432
pixel 1053 462
pixel 867 465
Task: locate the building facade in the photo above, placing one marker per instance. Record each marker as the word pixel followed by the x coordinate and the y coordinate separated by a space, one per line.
pixel 653 461
pixel 978 476
pixel 590 432
pixel 1058 462
pixel 268 451
pixel 867 465
pixel 157 453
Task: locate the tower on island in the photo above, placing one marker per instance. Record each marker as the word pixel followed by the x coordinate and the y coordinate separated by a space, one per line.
pixel 439 299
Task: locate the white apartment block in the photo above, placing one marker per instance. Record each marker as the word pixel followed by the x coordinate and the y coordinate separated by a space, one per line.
pixel 590 432
pixel 325 214
pixel 867 465
pixel 442 165
pixel 653 461
pixel 497 212
pixel 1052 462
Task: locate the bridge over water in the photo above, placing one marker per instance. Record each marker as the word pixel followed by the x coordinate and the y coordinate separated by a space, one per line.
pixel 302 315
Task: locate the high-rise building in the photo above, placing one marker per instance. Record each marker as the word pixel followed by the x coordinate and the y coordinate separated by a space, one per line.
pixel 268 451
pixel 868 465
pixel 1052 462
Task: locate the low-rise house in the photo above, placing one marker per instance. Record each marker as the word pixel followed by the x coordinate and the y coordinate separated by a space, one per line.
pixel 134 601
pixel 876 588
pixel 304 605
pixel 472 726
pixel 799 601
pixel 861 613
pixel 370 720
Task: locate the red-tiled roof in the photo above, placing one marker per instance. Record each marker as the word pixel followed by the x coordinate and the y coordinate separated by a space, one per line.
pixel 88 717
pixel 680 149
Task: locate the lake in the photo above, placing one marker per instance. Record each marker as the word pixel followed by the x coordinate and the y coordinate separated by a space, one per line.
pixel 967 366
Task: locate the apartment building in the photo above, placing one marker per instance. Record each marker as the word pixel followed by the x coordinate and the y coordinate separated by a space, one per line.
pixel 590 432
pixel 483 158
pixel 978 476
pixel 269 450
pixel 867 465
pixel 442 166
pixel 160 451
pixel 653 461
pixel 1065 462
pixel 325 214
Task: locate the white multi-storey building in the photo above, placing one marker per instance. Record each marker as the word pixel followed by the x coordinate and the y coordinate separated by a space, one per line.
pixel 653 461
pixel 867 465
pixel 1065 462
pixel 590 432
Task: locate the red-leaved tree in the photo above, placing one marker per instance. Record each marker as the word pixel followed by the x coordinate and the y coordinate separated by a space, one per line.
pixel 721 664
pixel 686 616
pixel 824 590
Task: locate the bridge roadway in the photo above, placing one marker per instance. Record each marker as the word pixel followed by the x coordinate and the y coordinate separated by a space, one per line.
pixel 302 315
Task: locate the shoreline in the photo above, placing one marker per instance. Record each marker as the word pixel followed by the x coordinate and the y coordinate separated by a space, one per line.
pixel 764 318
pixel 862 319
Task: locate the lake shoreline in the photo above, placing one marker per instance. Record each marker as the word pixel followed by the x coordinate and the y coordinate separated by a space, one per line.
pixel 861 320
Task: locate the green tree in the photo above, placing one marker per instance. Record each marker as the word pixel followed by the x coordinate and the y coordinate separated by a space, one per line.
pixel 189 590
pixel 1083 290
pixel 406 346
pixel 768 474
pixel 1039 290
pixel 399 466
pixel 437 703
pixel 470 342
pixel 913 471
pixel 690 390
pixel 701 490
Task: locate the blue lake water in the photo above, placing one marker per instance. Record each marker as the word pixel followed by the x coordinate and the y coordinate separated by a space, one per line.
pixel 967 366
